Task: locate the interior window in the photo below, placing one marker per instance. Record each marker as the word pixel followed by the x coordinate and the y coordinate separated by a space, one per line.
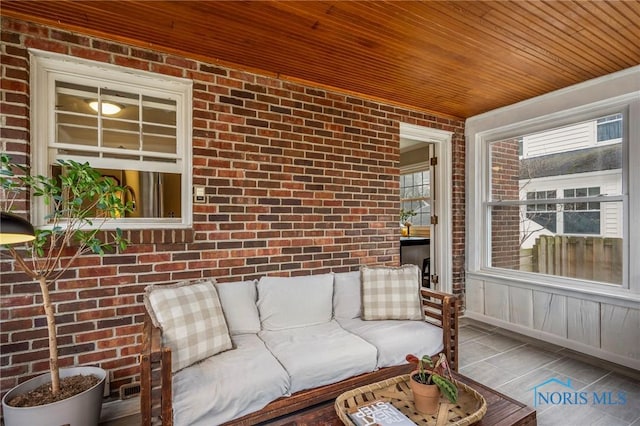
pixel 129 127
pixel 415 196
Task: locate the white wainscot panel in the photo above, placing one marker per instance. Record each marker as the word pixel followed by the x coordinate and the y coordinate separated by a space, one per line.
pixel 550 313
pixel 496 300
pixel 521 306
pixel 474 295
pixel 621 330
pixel 583 321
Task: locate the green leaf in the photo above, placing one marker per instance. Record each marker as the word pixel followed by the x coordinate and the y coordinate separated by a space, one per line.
pixel 448 389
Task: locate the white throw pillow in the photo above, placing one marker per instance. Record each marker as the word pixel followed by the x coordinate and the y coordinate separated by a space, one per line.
pixel 239 305
pixel 288 302
pixel 346 295
pixel 391 293
pixel 191 319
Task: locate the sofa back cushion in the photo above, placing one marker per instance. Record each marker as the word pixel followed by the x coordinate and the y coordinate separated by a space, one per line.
pixel 238 301
pixel 391 293
pixel 346 295
pixel 191 319
pixel 289 302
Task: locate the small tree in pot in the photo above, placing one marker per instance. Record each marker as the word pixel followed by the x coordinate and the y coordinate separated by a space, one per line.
pixel 80 200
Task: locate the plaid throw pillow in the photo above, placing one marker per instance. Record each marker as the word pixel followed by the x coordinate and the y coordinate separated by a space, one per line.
pixel 391 293
pixel 191 319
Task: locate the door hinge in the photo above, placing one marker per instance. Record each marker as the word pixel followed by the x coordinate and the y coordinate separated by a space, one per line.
pixel 433 161
pixel 434 220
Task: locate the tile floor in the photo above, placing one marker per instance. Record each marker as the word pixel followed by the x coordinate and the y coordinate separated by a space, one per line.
pixel 514 364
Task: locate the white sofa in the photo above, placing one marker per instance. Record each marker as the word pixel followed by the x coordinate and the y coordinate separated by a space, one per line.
pixel 288 338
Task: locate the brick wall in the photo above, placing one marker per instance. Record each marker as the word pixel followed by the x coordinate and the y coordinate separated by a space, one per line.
pixel 505 220
pixel 299 180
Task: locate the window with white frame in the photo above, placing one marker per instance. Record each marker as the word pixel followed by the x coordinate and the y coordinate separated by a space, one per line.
pixel 543 214
pixel 609 128
pixel 533 225
pixel 415 196
pixel 131 125
pixel 581 217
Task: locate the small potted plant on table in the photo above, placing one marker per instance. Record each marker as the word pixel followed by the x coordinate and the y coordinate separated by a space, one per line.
pixel 428 384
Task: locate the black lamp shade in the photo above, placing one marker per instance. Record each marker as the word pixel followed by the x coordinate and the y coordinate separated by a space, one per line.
pixel 14 229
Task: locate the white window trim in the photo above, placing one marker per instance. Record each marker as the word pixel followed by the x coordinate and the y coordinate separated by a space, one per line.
pixel 601 96
pixel 46 65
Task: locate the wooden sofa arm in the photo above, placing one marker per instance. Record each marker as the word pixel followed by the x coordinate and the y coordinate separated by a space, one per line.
pixel 155 378
pixel 441 309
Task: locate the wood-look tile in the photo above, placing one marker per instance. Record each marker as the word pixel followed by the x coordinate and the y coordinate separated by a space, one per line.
pixel 469 332
pixel 615 383
pixel 472 351
pixel 477 324
pixel 499 342
pixel 487 374
pixel 583 415
pixel 522 388
pixel 582 371
pixel 522 359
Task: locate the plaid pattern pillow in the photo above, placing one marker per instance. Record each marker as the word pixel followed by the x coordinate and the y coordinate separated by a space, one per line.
pixel 391 293
pixel 191 318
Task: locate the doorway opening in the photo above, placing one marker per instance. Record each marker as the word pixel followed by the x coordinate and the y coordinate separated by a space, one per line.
pixel 425 192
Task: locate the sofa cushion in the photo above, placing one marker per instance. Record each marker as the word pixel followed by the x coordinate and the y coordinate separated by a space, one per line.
pixel 395 339
pixel 346 295
pixel 228 385
pixel 287 302
pixel 391 293
pixel 191 319
pixel 238 301
pixel 320 354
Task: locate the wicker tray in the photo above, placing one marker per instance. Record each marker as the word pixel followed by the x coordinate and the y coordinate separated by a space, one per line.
pixel 469 409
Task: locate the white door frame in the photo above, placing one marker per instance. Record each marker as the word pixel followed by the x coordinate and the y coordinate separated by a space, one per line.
pixel 443 249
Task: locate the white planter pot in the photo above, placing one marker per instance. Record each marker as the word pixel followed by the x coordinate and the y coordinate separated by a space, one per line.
pixel 82 409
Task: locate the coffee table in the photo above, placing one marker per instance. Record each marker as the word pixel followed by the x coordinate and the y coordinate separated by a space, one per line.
pixel 501 411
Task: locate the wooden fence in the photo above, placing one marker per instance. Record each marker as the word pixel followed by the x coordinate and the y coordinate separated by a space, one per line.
pixel 590 258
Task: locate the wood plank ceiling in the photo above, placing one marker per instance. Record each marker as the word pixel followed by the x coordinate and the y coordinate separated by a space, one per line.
pixel 458 58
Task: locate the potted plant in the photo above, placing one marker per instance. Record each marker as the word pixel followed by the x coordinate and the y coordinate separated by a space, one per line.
pixel 80 201
pixel 428 384
pixel 405 215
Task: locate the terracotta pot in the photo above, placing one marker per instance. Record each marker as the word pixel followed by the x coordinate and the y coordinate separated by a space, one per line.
pixel 426 398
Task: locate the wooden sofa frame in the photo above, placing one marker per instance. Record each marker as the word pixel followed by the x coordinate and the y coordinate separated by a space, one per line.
pixel 440 309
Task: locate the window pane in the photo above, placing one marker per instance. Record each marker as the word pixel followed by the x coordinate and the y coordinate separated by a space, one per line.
pixel 414 195
pixel 76 122
pixel 87 136
pixel 609 128
pixel 538 231
pixel 582 223
pixel 505 170
pixel 153 195
pixel 532 244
